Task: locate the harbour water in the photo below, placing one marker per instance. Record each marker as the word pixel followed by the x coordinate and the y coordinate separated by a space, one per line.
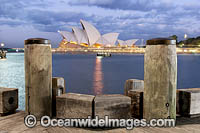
pixel 89 75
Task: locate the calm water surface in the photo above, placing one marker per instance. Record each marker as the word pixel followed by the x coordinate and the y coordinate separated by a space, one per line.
pixel 89 75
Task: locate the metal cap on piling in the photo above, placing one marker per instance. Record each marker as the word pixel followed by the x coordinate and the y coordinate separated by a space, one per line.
pixel 37 41
pixel 161 41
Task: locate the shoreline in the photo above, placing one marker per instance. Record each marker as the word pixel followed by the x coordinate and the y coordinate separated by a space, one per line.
pixel 112 50
pixel 120 51
pixel 116 53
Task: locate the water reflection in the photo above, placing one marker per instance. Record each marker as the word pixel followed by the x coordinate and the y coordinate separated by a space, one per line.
pixel 98 77
pixel 12 75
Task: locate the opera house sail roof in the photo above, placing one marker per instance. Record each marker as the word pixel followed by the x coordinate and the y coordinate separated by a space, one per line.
pixel 102 40
pixel 90 36
pixel 70 37
pixel 92 33
pixel 80 35
pixel 127 42
pixel 111 37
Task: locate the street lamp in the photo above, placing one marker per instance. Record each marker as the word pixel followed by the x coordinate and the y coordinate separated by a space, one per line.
pixel 185 36
pixel 2 45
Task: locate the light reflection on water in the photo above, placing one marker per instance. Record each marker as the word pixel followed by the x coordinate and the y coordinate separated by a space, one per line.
pixel 12 75
pixel 88 75
pixel 98 77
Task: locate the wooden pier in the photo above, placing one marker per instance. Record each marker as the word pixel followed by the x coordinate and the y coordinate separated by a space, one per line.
pixel 71 105
pixel 14 123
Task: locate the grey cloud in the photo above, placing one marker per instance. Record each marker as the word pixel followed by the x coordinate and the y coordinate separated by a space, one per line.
pixel 11 23
pixel 130 27
pixel 10 9
pixel 52 21
pixel 142 5
pixel 137 18
pixel 41 19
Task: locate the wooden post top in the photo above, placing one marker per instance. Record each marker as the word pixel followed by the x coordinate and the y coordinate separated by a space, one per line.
pixel 161 41
pixel 37 41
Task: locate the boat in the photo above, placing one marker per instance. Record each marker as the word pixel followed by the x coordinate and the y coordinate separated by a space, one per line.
pixel 101 55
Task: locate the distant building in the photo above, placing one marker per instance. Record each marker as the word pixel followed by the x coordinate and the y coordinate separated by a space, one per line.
pixel 90 36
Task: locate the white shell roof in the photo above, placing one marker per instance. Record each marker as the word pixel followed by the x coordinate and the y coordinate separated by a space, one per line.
pixel 127 42
pixel 111 38
pixel 131 42
pixel 102 41
pixel 92 33
pixel 121 42
pixel 80 35
pixel 68 36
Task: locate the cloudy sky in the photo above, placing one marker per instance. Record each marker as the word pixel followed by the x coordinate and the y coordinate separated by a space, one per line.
pixel 22 19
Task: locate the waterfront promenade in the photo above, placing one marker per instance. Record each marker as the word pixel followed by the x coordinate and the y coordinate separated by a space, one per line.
pixel 15 124
pixel 118 50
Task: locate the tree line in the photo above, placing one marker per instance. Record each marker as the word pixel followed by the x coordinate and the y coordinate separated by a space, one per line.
pixel 189 42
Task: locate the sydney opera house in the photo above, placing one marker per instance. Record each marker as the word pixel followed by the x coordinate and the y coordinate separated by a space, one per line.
pixel 89 36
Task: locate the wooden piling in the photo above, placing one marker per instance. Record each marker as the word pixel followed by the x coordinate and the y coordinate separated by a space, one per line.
pixel 160 79
pixel 58 88
pixel 188 102
pixel 8 100
pixel 133 84
pixel 38 77
pixel 58 85
pixel 134 88
pixel 136 103
pixel 74 105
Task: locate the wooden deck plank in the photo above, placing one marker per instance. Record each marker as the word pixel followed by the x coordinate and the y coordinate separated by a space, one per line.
pixel 37 129
pixel 60 130
pixel 136 130
pixel 12 115
pixel 191 127
pixel 149 130
pixel 14 123
pixel 182 130
pixel 170 130
pixel 11 121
